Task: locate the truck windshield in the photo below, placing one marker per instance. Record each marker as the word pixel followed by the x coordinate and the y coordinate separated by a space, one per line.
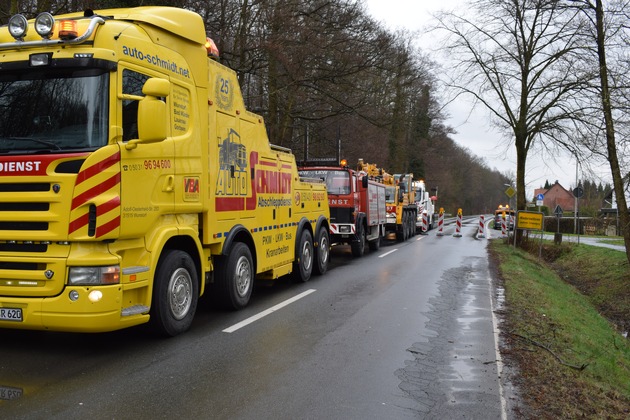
pixel 42 112
pixel 390 194
pixel 337 182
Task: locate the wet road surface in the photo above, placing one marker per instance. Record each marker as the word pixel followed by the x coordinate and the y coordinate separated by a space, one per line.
pixel 406 332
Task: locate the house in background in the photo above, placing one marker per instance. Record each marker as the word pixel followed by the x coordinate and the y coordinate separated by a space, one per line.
pixel 557 195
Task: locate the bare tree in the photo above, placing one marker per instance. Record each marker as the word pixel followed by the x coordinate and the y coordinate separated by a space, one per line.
pixel 517 59
pixel 600 34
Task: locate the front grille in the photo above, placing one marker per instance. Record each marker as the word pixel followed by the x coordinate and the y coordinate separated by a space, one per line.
pixel 24 207
pixel 22 266
pixel 341 215
pixel 23 247
pixel 26 226
pixel 26 187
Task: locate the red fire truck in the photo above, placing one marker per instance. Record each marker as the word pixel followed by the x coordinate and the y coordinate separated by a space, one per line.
pixel 357 203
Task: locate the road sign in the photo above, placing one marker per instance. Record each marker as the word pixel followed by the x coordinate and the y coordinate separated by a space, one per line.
pixel 578 192
pixel 558 211
pixel 529 220
pixel 510 192
pixel 540 197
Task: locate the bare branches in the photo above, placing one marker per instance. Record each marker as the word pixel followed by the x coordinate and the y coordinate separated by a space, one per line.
pixel 521 61
pixel 554 354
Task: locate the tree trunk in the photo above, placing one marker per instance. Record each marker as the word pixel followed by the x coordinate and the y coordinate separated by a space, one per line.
pixel 622 206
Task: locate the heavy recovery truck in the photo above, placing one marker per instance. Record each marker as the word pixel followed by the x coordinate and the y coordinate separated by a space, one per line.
pixel 402 211
pixel 356 198
pixel 426 207
pixel 133 179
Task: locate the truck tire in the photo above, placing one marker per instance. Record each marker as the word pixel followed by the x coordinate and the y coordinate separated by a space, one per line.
pixel 175 293
pixel 412 223
pixel 322 253
pixel 400 237
pixel 235 277
pixel 358 247
pixel 376 243
pixel 303 265
pixel 405 226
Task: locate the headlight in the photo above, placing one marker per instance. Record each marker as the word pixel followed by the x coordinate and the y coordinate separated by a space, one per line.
pixel 44 23
pixel 93 276
pixel 18 26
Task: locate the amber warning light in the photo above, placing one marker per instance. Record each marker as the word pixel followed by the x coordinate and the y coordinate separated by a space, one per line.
pixel 211 48
pixel 68 29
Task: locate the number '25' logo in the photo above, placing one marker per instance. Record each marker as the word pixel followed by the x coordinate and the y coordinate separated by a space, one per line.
pixel 224 93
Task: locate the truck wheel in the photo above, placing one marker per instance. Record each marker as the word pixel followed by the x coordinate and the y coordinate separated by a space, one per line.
pixel 358 247
pixel 412 224
pixel 175 294
pixel 322 253
pixel 235 277
pixel 405 226
pixel 303 267
pixel 376 243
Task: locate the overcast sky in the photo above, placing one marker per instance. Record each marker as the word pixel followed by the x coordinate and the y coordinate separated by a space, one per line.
pixel 473 131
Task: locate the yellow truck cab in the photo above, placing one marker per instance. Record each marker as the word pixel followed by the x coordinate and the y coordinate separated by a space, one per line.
pixel 132 176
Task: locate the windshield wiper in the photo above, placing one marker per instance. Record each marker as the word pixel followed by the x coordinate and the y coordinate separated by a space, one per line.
pixel 44 142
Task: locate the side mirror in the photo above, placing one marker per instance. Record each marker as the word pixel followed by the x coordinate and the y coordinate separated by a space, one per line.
pixel 152 114
pixel 364 181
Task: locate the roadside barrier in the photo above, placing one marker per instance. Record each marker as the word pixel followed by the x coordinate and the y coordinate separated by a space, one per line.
pixel 440 231
pixel 424 223
pixel 458 225
pixel 482 226
pixel 503 227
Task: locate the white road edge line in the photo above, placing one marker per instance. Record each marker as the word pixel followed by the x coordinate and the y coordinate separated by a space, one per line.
pixel 267 312
pixel 495 327
pixel 387 253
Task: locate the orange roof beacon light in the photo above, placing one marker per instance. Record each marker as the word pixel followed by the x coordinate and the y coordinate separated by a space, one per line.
pixel 211 48
pixel 343 163
pixel 68 29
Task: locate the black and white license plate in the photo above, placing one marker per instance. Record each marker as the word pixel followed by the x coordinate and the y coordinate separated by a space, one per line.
pixel 10 393
pixel 11 314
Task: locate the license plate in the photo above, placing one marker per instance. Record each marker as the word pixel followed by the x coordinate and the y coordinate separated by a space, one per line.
pixel 10 393
pixel 11 314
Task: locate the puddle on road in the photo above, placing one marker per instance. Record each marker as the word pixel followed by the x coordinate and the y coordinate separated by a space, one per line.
pixel 454 372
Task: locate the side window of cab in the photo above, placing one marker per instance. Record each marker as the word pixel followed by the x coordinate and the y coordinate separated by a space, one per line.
pixel 132 83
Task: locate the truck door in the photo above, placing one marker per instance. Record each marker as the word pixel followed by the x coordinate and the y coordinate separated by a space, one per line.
pixel 148 170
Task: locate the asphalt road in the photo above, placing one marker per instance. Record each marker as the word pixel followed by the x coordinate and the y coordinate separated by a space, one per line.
pixel 405 332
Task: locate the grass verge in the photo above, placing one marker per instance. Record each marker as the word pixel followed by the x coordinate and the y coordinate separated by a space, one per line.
pixel 572 361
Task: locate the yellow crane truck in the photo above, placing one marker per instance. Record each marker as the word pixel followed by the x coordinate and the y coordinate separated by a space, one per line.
pixel 132 178
pixel 402 211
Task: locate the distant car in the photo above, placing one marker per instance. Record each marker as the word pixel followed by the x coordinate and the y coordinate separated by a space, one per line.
pixel 509 218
